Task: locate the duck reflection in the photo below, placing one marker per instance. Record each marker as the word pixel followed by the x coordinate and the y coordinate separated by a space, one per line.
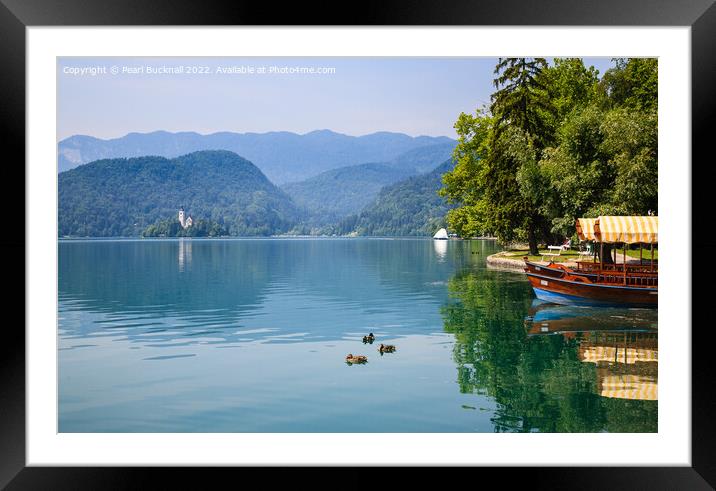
pixel 552 368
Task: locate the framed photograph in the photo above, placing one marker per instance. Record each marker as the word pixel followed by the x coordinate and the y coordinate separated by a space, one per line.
pixel 418 238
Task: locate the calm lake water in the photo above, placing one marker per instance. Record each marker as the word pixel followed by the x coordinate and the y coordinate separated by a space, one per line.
pixel 251 336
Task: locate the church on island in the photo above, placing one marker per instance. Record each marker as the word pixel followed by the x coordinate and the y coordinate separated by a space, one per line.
pixel 185 222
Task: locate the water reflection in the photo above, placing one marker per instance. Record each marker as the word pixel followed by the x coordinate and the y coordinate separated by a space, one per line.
pixel 184 254
pixel 553 368
pixel 251 335
pixel 161 292
pixel 550 318
pixel 441 247
pixel 141 324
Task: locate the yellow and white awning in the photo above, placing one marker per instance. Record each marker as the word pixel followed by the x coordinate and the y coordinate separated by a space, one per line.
pixel 629 230
pixel 585 228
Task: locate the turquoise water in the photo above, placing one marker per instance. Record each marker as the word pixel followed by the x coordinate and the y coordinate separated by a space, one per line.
pixel 251 336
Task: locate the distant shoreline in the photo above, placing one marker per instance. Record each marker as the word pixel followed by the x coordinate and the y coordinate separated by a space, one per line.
pixel 256 237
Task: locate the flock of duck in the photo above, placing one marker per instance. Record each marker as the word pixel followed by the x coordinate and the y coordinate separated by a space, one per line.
pixel 383 348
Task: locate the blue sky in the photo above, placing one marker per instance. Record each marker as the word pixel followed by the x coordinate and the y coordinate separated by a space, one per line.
pixel 416 96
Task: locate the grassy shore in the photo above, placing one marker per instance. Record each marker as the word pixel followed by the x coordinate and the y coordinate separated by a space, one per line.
pixel 572 255
pixel 645 254
pixel 564 256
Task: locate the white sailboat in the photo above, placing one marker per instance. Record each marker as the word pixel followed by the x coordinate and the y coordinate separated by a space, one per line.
pixel 441 235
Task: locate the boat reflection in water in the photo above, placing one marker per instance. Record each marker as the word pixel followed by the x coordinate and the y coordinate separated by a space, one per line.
pixel 624 349
pixel 552 368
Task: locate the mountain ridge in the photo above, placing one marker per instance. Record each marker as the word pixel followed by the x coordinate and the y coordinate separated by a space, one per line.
pixel 411 207
pixel 281 155
pixel 338 193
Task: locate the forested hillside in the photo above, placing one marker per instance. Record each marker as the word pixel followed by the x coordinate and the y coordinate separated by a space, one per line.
pixel 122 197
pixel 409 207
pixel 335 194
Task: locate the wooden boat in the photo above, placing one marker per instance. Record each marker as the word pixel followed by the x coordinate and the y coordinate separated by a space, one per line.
pixel 636 275
pixel 587 267
pixel 599 283
pixel 580 290
pixel 552 269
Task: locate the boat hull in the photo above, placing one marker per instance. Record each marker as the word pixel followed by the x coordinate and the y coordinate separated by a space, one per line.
pixel 567 292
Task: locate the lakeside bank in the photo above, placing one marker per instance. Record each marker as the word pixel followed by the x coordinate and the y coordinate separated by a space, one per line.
pixel 513 261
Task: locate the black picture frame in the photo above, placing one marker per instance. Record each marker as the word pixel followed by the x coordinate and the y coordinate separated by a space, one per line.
pixel 16 15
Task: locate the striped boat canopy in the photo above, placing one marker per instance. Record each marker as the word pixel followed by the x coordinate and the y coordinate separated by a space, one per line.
pixel 629 230
pixel 585 228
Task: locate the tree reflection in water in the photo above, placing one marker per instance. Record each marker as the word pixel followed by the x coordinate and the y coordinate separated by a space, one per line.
pixel 579 371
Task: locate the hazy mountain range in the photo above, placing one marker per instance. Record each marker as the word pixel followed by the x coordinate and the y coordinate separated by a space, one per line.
pixel 337 193
pixel 117 196
pixel 282 156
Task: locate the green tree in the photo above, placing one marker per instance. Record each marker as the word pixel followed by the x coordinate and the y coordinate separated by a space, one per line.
pixel 523 105
pixel 571 85
pixel 631 143
pixel 466 183
pixel 632 83
pixel 605 163
pixel 555 145
pixel 171 227
pixel 496 180
pixel 522 100
pixel 577 170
